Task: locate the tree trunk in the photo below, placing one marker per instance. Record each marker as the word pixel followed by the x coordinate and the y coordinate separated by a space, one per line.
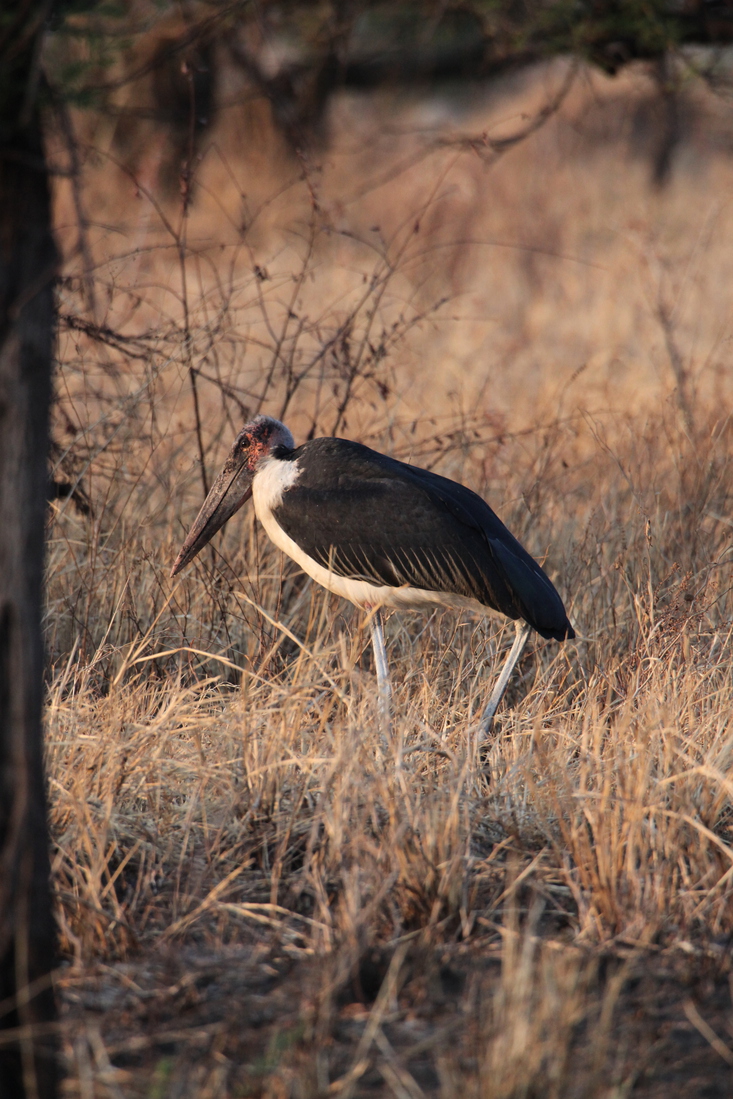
pixel 27 268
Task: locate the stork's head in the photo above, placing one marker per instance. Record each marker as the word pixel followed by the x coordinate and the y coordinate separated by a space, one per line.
pixel 233 486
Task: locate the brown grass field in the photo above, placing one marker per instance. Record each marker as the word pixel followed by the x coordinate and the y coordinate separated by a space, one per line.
pixel 257 895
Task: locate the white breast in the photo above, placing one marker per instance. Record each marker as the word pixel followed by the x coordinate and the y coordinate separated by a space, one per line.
pixel 272 478
pixel 275 477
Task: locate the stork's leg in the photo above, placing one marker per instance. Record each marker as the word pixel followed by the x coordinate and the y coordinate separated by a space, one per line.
pixel 380 661
pixel 523 631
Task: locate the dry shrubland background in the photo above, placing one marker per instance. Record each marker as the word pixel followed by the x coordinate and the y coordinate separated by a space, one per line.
pixel 257 895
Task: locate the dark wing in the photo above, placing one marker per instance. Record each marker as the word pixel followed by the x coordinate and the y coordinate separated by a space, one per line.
pixel 372 518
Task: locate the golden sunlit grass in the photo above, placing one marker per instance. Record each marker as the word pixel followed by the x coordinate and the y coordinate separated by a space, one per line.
pixel 261 893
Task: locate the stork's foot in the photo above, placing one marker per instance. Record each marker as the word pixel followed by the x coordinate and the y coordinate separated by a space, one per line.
pixel 487 741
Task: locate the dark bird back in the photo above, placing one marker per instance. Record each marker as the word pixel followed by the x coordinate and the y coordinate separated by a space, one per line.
pixel 369 517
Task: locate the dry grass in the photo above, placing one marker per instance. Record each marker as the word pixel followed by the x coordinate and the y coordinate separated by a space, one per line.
pixel 257 895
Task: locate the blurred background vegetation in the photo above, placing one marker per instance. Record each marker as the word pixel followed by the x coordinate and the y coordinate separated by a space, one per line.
pixel 495 239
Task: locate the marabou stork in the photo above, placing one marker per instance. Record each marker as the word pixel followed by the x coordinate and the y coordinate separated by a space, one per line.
pixel 382 534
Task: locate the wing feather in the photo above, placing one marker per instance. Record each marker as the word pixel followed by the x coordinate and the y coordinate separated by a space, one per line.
pixel 369 517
